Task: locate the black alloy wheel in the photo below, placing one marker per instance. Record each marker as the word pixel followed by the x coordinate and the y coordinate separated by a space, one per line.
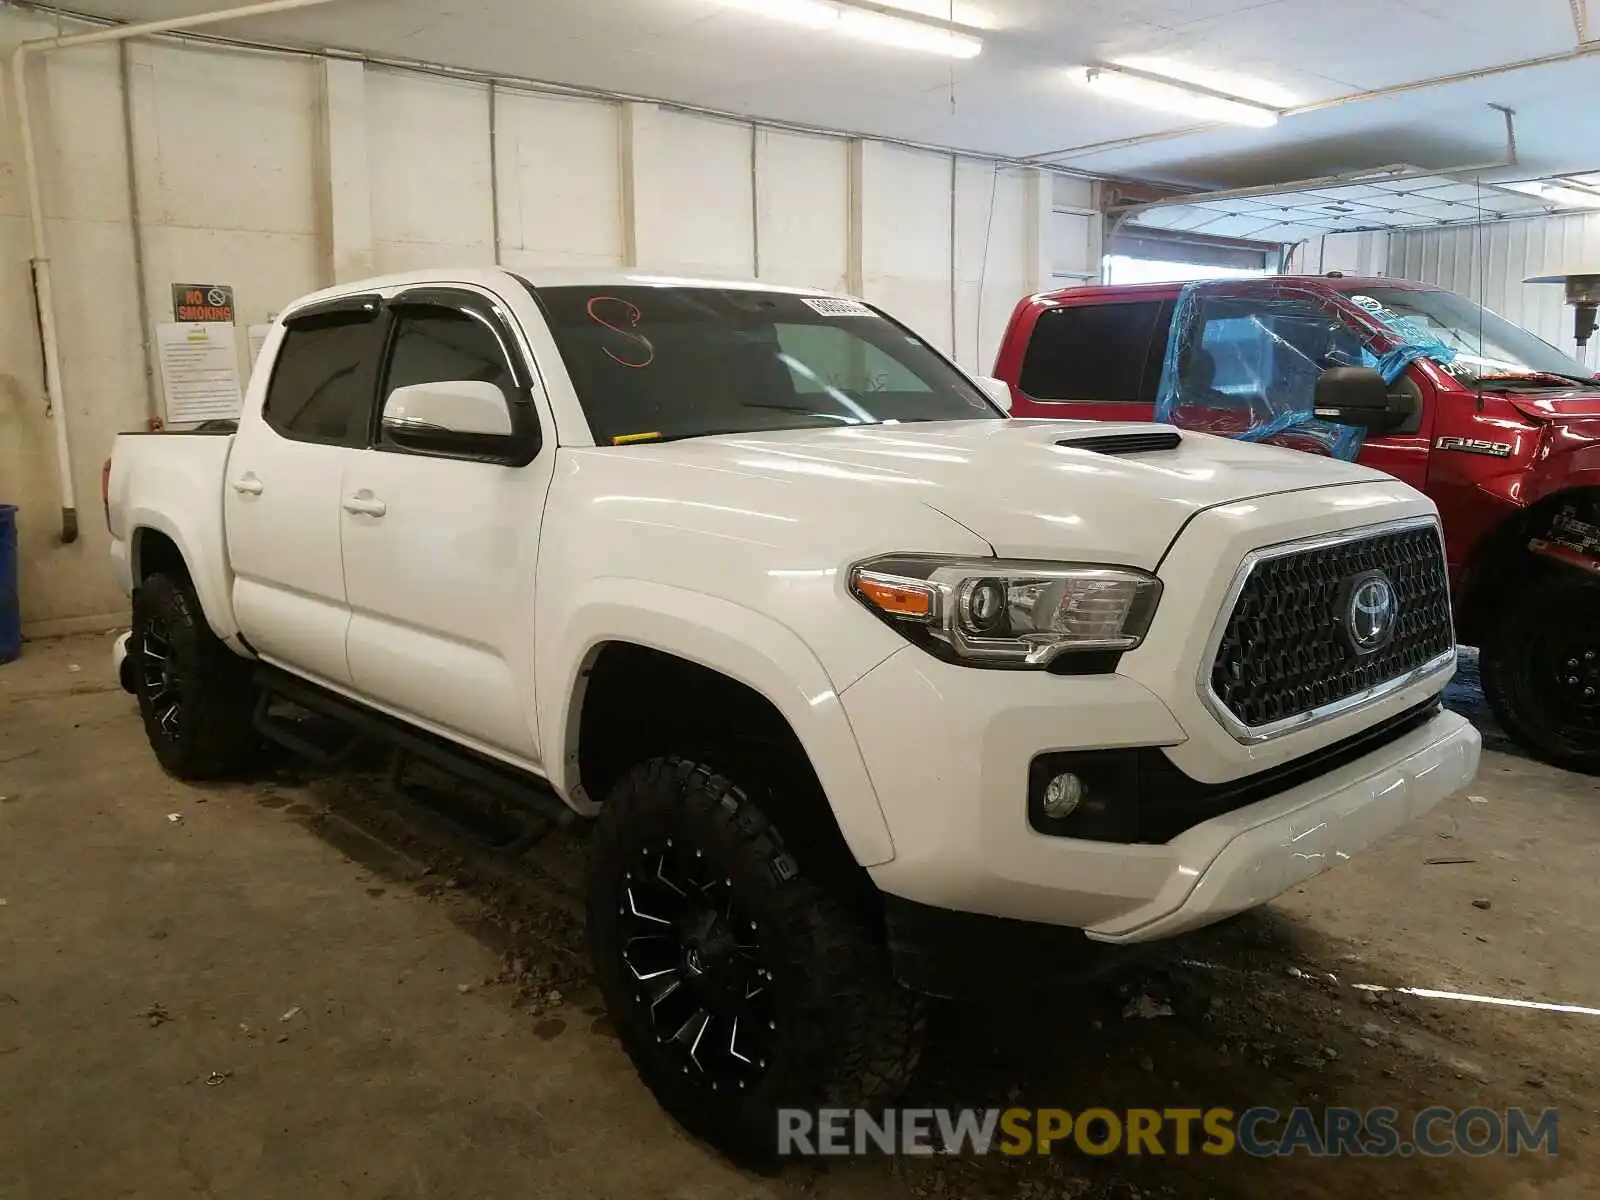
pixel 194 694
pixel 736 984
pixel 1540 666
pixel 695 954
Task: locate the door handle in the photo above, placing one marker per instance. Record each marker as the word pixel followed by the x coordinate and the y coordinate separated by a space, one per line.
pixel 248 485
pixel 366 506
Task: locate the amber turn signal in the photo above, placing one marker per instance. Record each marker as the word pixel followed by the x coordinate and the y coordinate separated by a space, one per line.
pixel 895 599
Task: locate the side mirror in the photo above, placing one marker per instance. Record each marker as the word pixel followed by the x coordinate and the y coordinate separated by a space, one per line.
pixel 997 390
pixel 1358 396
pixel 466 417
pixel 455 406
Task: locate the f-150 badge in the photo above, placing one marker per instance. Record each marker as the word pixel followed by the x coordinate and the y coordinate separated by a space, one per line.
pixel 1474 446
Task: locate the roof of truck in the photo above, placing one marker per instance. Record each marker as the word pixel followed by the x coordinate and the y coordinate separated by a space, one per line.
pixel 496 277
pixel 1164 291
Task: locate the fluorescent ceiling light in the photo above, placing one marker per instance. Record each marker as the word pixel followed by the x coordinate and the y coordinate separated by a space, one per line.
pixel 1555 193
pixel 868 23
pixel 1225 83
pixel 1168 95
pixel 947 12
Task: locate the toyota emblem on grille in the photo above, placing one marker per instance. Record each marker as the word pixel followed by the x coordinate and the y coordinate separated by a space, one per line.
pixel 1369 610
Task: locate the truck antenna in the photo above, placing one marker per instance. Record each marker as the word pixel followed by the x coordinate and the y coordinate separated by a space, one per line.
pixel 1483 285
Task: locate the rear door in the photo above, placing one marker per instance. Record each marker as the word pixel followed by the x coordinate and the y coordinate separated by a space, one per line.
pixel 281 492
pixel 1096 362
pixel 440 550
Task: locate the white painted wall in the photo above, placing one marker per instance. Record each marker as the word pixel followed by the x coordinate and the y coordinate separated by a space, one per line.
pixel 692 193
pixel 280 174
pixel 428 159
pixel 994 267
pixel 1490 262
pixel 1075 238
pixel 560 167
pixel 803 209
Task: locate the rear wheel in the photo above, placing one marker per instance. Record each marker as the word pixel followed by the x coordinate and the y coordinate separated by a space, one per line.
pixel 194 693
pixel 1541 670
pixel 737 986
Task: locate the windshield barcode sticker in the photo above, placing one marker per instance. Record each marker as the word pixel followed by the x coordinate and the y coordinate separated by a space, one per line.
pixel 827 306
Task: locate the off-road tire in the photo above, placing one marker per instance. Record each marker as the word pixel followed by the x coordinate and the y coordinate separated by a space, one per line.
pixel 845 1034
pixel 1557 617
pixel 209 731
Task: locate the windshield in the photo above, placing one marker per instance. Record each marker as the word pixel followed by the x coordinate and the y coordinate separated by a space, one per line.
pixel 1505 353
pixel 658 363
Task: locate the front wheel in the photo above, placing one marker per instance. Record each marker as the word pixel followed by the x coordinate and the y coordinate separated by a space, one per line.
pixel 737 986
pixel 194 693
pixel 1541 670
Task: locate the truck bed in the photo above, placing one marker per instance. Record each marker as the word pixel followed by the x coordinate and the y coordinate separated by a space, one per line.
pixel 170 485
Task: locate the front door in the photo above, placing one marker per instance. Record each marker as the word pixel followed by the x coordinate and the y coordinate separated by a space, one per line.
pixel 281 493
pixel 439 550
pixel 1248 362
pixel 1403 453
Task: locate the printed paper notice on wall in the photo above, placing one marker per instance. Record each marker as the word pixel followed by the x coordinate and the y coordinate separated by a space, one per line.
pixel 199 371
pixel 258 338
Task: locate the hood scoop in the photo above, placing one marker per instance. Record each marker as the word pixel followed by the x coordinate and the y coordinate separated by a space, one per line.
pixel 1126 443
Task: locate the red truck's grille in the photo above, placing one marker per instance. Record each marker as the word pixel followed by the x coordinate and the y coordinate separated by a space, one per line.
pixel 1289 648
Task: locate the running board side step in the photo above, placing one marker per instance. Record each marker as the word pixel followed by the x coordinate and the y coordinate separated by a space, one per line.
pixel 354 723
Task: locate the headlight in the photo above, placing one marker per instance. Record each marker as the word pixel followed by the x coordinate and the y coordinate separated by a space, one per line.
pixel 999 613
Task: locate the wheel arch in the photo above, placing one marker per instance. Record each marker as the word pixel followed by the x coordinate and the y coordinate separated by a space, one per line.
pixel 1504 560
pixel 683 647
pixel 160 543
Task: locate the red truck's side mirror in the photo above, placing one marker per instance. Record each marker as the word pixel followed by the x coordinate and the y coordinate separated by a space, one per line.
pixel 1359 396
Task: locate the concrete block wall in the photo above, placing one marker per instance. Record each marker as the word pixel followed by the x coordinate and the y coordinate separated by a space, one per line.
pixel 279 174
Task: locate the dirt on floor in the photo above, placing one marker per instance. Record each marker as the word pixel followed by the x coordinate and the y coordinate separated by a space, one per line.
pixel 292 987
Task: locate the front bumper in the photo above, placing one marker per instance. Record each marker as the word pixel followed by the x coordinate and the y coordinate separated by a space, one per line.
pixel 1244 858
pixel 949 751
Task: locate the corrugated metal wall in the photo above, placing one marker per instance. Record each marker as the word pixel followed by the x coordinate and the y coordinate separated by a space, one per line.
pixel 1489 263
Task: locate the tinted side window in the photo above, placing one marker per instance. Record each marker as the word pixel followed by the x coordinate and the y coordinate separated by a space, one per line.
pixel 1097 352
pixel 324 381
pixel 436 345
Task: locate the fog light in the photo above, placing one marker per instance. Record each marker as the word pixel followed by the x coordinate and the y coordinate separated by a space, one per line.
pixel 1062 795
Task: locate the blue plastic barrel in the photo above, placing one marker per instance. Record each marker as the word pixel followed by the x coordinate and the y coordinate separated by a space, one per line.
pixel 10 609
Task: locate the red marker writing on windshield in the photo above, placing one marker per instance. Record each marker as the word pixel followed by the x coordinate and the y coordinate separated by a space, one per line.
pixel 634 316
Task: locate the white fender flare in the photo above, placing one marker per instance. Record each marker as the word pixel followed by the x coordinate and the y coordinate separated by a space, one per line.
pixel 200 550
pixel 725 637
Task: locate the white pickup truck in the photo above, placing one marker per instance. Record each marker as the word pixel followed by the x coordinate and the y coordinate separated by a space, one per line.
pixel 872 689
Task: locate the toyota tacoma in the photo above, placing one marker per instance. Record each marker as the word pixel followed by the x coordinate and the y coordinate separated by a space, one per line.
pixel 872 690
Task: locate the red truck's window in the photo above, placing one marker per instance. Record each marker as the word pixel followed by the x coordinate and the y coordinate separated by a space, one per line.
pixel 1098 352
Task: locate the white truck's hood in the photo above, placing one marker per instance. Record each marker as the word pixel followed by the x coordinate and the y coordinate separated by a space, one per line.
pixel 1015 486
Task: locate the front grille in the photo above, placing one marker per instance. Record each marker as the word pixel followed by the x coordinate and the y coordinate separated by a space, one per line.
pixel 1285 652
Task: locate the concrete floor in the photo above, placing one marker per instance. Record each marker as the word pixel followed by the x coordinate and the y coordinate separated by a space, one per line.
pixel 284 988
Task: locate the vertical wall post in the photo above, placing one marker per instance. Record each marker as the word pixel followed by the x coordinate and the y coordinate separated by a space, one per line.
pixel 347 201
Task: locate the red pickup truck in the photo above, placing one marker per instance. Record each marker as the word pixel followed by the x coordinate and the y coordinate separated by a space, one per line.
pixel 1500 428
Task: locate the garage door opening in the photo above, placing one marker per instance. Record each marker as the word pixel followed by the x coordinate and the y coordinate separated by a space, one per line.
pixel 1158 256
